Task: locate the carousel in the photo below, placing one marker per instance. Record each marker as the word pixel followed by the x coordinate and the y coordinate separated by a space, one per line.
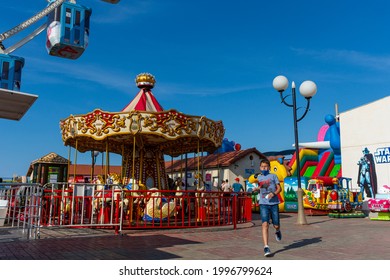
pixel 142 133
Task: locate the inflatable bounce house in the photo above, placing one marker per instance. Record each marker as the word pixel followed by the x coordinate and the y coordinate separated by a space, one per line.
pixel 228 146
pixel 320 162
pixel 321 176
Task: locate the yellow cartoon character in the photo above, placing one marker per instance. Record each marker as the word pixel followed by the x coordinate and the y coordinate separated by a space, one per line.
pixel 252 183
pixel 280 170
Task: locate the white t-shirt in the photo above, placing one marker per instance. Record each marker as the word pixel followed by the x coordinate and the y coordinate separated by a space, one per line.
pixel 226 187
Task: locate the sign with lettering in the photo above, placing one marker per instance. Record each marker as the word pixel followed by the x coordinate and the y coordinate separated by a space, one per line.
pixel 382 155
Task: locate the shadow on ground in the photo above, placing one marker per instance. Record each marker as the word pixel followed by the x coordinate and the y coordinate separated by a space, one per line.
pixel 98 248
pixel 300 243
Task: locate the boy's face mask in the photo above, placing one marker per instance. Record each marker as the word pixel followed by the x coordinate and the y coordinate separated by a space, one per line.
pixel 265 172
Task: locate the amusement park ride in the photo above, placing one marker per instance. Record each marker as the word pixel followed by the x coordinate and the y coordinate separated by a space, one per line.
pixel 67 28
pixel 142 135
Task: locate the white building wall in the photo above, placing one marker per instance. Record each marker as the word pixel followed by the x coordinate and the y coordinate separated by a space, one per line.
pixel 367 127
pixel 242 169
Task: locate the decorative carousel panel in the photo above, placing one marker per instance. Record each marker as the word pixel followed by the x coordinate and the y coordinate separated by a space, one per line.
pixel 166 129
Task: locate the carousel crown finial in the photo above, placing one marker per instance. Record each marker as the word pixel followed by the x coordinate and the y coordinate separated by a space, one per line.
pixel 145 80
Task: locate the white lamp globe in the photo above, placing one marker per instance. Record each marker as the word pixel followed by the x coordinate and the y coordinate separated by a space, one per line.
pixel 280 83
pixel 308 89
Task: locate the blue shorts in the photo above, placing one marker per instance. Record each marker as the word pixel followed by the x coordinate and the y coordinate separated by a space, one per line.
pixel 267 211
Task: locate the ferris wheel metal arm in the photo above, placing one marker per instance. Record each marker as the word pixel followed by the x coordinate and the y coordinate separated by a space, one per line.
pixel 30 21
pixel 25 40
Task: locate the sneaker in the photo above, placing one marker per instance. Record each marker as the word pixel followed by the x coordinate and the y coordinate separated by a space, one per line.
pixel 278 235
pixel 267 251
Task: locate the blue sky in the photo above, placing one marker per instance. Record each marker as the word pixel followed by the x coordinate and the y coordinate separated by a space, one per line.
pixel 212 58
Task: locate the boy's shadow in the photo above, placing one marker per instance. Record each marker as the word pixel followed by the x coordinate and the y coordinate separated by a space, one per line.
pixel 299 243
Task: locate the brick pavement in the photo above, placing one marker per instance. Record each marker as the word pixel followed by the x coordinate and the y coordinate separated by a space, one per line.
pixel 323 238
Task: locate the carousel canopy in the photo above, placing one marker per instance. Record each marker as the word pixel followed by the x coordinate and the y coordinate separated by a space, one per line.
pixel 144 101
pixel 171 132
pixel 142 123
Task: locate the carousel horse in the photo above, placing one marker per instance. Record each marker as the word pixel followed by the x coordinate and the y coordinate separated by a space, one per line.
pixel 179 192
pixel 111 187
pixel 200 187
pixel 98 193
pixel 104 193
pixel 138 190
pixel 201 198
pixel 158 208
pixel 136 198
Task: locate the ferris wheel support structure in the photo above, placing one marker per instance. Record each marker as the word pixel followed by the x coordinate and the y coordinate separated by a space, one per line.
pixel 25 40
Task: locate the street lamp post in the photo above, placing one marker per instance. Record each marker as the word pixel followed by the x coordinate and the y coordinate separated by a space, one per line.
pixel 307 89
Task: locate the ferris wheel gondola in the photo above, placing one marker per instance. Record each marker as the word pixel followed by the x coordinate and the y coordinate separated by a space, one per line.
pixel 11 71
pixel 11 66
pixel 68 30
pixel 74 22
pixel 67 37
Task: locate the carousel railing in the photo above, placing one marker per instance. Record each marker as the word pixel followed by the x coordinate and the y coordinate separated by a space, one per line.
pixel 114 206
pixel 76 204
pixel 189 209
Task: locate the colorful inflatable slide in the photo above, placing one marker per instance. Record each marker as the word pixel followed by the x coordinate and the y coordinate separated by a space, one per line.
pixel 318 160
pixel 314 164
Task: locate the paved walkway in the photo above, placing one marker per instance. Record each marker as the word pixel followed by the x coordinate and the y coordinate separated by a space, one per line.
pixel 323 238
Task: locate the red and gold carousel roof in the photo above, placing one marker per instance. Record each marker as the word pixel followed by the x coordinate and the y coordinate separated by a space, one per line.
pixel 144 100
pixel 142 122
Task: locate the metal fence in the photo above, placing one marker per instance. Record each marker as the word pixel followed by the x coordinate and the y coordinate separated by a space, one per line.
pixel 20 206
pixel 114 206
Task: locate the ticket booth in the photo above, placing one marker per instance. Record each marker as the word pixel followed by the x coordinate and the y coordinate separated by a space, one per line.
pixel 51 168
